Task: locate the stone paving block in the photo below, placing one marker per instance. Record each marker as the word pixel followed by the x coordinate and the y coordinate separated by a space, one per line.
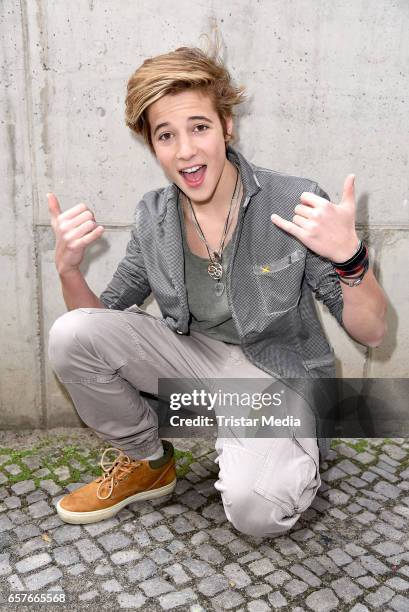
pixel 257 590
pixel 398 584
pixel 399 603
pixel 156 586
pixel 228 600
pixel 305 575
pixel 114 541
pixel 322 600
pixel 18 517
pixel 346 589
pixel 160 556
pixel 334 473
pixel 12 502
pixel 277 578
pixel 174 509
pixel 199 538
pixel 35 496
pixel 215 512
pixel 95 529
pixel 31 563
pixel 236 574
pixel 181 525
pixel 148 520
pixel 209 553
pixel 379 597
pixel 339 556
pixel 131 601
pixel 277 600
pixel 30 546
pixel 388 490
pixel 89 596
pixel 112 586
pixel 40 509
pixel 104 568
pixel 23 487
pixel 200 569
pixel 88 550
pixel 261 567
pixel 177 573
pixel 179 598
pixel 212 585
pixel 77 569
pixel 176 546
pixel 295 587
pixel 142 570
pixel 65 555
pixel 39 580
pixel 197 520
pixel 367 581
pixel 373 565
pixel 125 556
pixel 5 567
pixel 142 538
pixel 26 532
pixel 15 583
pixel 12 469
pixel 161 533
pixel 5 523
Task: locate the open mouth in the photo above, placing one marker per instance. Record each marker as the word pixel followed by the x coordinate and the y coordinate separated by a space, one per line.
pixel 196 177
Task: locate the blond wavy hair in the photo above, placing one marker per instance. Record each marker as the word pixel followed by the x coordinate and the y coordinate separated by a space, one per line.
pixel 174 72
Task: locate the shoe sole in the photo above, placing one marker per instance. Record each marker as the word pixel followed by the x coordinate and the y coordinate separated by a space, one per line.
pixel 83 518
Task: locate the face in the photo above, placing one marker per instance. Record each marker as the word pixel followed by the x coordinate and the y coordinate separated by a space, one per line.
pixel 186 132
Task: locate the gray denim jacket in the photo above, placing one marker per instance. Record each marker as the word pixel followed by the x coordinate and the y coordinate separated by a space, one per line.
pixel 270 283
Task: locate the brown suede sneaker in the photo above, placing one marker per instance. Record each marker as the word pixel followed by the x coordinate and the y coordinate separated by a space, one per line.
pixel 124 481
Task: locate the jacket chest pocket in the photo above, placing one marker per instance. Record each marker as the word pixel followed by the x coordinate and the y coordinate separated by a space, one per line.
pixel 279 282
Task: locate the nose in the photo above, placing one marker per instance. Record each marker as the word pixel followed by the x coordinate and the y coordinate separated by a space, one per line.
pixel 186 148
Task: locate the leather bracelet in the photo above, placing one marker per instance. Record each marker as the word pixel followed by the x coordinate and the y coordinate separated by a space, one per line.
pixel 352 265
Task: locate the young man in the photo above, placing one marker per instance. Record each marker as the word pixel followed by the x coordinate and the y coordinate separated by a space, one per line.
pixel 234 285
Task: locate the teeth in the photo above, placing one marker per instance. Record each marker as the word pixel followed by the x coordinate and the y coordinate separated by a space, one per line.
pixel 189 170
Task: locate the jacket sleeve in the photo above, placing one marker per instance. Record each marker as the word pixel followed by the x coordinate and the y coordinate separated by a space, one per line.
pixel 322 278
pixel 129 284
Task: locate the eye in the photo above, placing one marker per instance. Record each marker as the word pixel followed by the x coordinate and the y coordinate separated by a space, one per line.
pixel 164 134
pixel 202 125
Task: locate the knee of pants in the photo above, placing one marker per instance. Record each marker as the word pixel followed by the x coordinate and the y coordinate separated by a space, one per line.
pixel 62 339
pixel 257 517
pixel 267 496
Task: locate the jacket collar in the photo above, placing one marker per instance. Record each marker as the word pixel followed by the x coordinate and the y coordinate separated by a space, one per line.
pixel 251 185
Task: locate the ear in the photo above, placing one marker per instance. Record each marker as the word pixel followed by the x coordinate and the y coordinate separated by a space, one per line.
pixel 229 128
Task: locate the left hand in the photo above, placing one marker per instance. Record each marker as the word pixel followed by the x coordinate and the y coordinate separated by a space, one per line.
pixel 326 228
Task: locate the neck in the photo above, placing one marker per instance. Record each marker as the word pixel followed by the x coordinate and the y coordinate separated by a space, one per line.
pixel 219 203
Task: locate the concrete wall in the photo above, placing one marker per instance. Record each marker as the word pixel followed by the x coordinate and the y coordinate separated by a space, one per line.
pixel 328 83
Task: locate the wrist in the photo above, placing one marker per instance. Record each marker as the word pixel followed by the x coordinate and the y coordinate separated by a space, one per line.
pixel 347 252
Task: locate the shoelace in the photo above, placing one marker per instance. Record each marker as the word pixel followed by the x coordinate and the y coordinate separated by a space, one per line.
pixel 115 470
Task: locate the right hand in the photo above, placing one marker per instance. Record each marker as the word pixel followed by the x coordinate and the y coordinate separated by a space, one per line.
pixel 74 230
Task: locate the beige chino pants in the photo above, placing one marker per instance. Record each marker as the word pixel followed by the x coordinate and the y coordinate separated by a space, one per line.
pixel 105 358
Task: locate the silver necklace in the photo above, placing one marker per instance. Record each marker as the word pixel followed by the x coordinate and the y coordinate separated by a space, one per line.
pixel 215 264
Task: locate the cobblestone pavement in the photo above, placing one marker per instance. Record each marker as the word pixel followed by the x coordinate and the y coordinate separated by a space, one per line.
pixel 349 550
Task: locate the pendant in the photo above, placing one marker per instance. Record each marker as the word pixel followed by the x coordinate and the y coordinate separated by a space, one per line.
pixel 215 270
pixel 219 288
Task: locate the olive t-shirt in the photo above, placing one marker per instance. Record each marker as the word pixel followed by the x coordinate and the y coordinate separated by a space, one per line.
pixel 211 314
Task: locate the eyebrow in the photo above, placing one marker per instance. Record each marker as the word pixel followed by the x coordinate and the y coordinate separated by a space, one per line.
pixel 193 118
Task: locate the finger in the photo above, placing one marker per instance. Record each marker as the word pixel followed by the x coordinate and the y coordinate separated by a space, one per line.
pixel 73 212
pixel 305 211
pixel 287 226
pixel 301 222
pixel 348 193
pixel 80 230
pixel 89 238
pixel 69 224
pixel 53 205
pixel 312 199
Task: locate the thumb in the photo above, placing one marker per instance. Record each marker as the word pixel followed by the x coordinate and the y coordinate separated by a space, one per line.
pixel 348 194
pixel 53 205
